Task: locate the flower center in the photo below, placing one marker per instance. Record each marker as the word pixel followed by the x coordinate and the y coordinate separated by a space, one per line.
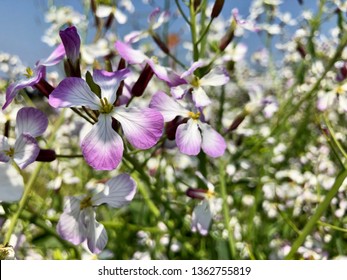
pixel 105 107
pixel 195 82
pixel 210 194
pixel 155 59
pixel 10 152
pixel 28 72
pixel 86 202
pixel 194 116
pixel 340 90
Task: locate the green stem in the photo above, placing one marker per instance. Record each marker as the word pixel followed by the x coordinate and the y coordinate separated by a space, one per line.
pixel 193 30
pixel 181 12
pixel 30 185
pixel 69 156
pixel 205 32
pixel 226 214
pixel 317 215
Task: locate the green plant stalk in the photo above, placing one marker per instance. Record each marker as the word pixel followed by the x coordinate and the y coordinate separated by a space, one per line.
pixel 317 215
pixel 226 215
pixel 181 11
pixel 193 30
pixel 29 185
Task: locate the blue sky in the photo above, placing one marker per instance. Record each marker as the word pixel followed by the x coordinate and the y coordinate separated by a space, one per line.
pixel 22 23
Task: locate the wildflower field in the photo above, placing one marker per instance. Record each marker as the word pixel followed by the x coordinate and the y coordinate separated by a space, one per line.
pixel 177 129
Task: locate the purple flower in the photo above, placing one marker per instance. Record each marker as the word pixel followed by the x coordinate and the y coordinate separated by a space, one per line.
pixel 102 147
pixel 72 43
pixel 33 76
pixel 193 135
pixel 78 224
pixel 31 123
pixel 137 57
pixel 216 77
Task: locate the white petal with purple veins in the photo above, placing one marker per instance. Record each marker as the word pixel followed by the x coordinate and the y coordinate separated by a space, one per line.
pixel 96 233
pixel 188 138
pixel 201 218
pixel 109 82
pixel 213 144
pixel 129 54
pixel 73 92
pixel 31 121
pixel 4 148
pixel 179 91
pixel 190 71
pixel 26 150
pixel 71 226
pixel 200 97
pixel 216 77
pixel 102 147
pixel 118 191
pixel 12 185
pixel 167 106
pixel 142 127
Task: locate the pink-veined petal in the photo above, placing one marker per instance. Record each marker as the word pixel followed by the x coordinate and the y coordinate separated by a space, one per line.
pixel 12 184
pixel 160 71
pixel 31 121
pixel 129 54
pixel 200 97
pixel 118 191
pixel 179 91
pixel 142 127
pixel 167 106
pixel 213 144
pixel 71 225
pixel 216 77
pixel 4 148
pixel 188 138
pixel 73 92
pixel 109 82
pixel 55 57
pixel 190 71
pixel 201 218
pixel 96 233
pixel 102 147
pixel 26 150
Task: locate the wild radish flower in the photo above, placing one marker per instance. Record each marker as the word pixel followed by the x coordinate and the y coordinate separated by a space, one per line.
pixel 327 99
pixel 78 224
pixel 102 147
pixel 104 11
pixel 194 135
pixel 30 123
pixel 12 185
pixel 72 43
pixel 216 77
pixel 34 76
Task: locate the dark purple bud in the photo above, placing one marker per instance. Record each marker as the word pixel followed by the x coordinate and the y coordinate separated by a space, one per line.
pixel 46 155
pixel 121 66
pixel 7 128
pixel 72 43
pixel 196 4
pixel 300 48
pixel 217 8
pixel 235 124
pixel 227 38
pixel 196 193
pixel 44 87
pixel 171 127
pixel 142 82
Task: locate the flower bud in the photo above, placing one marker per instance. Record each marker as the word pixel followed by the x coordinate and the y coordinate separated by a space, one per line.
pixel 227 38
pixel 235 124
pixel 72 43
pixel 171 127
pixel 142 82
pixel 217 8
pixel 196 193
pixel 46 155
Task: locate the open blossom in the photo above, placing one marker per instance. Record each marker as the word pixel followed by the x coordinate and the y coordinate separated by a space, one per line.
pixel 194 135
pixel 78 223
pixel 104 11
pixel 337 95
pixel 34 76
pixel 102 147
pixel 216 77
pixel 30 123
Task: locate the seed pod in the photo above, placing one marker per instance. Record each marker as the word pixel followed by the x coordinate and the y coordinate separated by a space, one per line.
pixel 46 155
pixel 142 82
pixel 217 8
pixel 227 38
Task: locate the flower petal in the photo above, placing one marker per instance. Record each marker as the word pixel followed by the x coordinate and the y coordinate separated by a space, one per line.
pixel 179 91
pixel 201 218
pixel 213 143
pixel 188 138
pixel 31 121
pixel 26 150
pixel 72 43
pixel 118 191
pixel 103 11
pixel 55 57
pixel 167 106
pixel 96 233
pixel 190 71
pixel 71 225
pixel 72 92
pixel 14 88
pixel 4 148
pixel 143 128
pixel 216 77
pixel 129 54
pixel 102 147
pixel 120 16
pixel 200 97
pixel 109 82
pixel 12 185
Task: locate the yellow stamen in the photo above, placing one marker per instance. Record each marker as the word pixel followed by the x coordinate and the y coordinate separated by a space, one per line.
pixel 10 152
pixel 194 116
pixel 210 194
pixel 105 107
pixel 195 82
pixel 86 202
pixel 340 90
pixel 28 72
